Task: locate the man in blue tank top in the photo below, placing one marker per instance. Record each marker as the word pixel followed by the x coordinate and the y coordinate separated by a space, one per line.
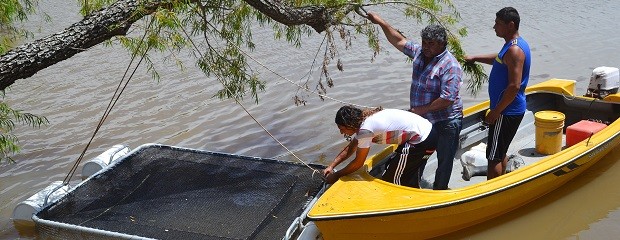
pixel 507 83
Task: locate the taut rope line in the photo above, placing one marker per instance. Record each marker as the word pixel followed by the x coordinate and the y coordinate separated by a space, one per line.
pixel 111 104
pixel 255 120
pixel 274 138
pixel 299 86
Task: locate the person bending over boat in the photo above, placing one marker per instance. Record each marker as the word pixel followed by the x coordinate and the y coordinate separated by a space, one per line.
pixel 384 126
pixel 507 82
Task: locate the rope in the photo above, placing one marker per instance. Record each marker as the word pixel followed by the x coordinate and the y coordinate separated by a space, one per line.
pixel 274 138
pixel 314 170
pixel 118 93
pixel 281 144
pixel 288 80
pixel 111 104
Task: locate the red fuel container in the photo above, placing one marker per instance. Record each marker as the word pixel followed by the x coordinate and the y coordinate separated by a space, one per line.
pixel 582 130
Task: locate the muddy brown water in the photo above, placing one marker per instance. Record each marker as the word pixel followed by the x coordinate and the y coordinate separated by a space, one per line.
pixel 568 40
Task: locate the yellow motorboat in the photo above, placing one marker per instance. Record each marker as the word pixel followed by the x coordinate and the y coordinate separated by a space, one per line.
pixel 555 143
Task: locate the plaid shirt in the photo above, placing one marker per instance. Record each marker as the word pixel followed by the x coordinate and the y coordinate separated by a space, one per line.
pixel 441 78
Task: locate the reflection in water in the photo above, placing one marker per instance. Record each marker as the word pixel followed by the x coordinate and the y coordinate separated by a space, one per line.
pixel 568 212
pixel 25 229
pixel 180 110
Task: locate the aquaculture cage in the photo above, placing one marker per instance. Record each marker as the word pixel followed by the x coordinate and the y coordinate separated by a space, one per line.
pixel 165 192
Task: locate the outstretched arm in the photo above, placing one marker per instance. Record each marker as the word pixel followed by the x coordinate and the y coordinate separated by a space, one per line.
pixel 343 155
pixel 354 165
pixel 360 156
pixel 483 58
pixel 393 36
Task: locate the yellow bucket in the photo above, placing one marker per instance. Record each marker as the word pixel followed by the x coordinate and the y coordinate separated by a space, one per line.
pixel 549 126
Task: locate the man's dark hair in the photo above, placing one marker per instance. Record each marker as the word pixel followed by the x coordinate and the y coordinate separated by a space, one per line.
pixel 435 32
pixel 509 14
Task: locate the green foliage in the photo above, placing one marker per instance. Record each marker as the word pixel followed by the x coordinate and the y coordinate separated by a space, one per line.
pixel 473 70
pixel 348 24
pixel 219 34
pixel 8 117
pixel 89 6
pixel 12 11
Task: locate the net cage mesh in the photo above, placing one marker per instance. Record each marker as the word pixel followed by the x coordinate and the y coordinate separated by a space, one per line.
pixel 165 192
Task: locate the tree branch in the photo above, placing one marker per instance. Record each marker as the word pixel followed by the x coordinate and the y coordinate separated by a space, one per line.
pixel 26 60
pixel 316 17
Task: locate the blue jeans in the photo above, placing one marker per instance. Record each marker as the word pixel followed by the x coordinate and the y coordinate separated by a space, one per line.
pixel 447 134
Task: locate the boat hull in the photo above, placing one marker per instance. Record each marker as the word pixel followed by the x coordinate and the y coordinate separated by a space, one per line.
pixel 428 223
pixel 360 206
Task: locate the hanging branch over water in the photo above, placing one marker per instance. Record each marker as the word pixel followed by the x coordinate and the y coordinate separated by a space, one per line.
pixel 291 19
pixel 26 60
pixel 224 28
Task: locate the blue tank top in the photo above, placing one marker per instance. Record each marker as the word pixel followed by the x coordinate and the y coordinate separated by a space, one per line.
pixel 498 79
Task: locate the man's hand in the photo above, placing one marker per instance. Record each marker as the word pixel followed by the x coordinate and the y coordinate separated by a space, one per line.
pixel 331 178
pixel 469 59
pixel 330 175
pixel 492 116
pixel 328 170
pixel 374 18
pixel 419 110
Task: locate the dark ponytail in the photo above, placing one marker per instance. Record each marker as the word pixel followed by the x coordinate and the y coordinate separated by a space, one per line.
pixel 352 117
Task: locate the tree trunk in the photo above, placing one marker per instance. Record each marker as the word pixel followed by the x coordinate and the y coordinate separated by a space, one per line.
pixel 27 59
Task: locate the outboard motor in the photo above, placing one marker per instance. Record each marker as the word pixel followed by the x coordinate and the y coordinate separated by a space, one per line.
pixel 604 81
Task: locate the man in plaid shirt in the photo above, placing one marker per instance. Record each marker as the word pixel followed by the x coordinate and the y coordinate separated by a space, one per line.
pixel 435 84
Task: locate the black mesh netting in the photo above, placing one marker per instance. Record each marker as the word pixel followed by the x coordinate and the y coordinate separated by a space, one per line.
pixel 172 193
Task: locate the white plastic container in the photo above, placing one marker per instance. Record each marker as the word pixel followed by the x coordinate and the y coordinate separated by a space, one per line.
pixel 26 209
pixel 607 78
pixel 103 160
pixel 474 162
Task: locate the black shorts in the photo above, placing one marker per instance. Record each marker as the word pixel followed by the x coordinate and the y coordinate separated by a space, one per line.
pixel 500 136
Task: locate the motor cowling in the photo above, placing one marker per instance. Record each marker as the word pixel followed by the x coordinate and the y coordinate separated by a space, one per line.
pixel 604 81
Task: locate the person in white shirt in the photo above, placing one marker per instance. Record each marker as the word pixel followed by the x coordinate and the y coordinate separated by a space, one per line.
pixel 384 126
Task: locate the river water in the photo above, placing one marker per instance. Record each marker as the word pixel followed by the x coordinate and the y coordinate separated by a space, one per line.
pixel 569 39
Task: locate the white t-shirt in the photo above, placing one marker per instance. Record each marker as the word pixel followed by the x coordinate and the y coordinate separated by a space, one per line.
pixel 393 126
